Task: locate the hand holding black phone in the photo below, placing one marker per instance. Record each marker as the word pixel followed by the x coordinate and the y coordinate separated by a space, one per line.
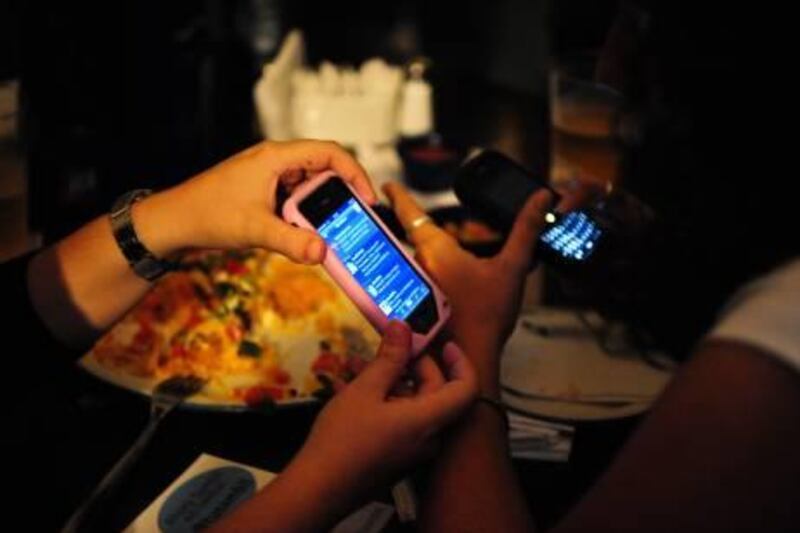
pixel 496 188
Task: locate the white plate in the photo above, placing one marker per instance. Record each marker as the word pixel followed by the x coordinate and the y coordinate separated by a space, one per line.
pixel 298 351
pixel 566 370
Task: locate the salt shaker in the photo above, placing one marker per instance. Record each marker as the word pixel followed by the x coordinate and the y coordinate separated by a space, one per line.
pixel 416 106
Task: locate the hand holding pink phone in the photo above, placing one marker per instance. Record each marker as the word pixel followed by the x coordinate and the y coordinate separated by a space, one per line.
pixel 366 260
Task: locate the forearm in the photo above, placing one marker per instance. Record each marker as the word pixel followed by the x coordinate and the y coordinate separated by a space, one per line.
pixel 482 348
pixel 83 284
pixel 718 453
pixel 302 499
pixel 473 486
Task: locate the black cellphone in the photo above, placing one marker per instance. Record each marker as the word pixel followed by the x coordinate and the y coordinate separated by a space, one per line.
pixel 495 188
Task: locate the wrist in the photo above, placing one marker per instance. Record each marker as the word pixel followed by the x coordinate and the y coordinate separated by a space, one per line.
pixel 479 341
pixel 161 225
pixel 485 419
pixel 486 361
pixel 496 406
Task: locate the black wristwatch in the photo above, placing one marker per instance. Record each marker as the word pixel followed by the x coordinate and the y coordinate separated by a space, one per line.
pixel 141 260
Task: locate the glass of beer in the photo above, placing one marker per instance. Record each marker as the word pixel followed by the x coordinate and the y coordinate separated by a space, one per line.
pixel 583 120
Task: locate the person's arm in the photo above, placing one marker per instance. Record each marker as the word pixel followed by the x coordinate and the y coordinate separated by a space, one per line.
pixel 362 439
pixel 82 284
pixel 719 452
pixel 473 486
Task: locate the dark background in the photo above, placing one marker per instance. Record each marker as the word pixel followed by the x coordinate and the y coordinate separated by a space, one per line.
pixel 131 94
pixel 144 93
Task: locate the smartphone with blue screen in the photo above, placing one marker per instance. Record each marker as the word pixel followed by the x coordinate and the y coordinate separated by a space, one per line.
pixel 366 260
pixel 495 188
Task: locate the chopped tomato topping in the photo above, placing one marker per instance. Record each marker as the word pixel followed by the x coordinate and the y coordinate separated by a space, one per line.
pixel 260 394
pixel 194 319
pixel 327 362
pixel 144 339
pixel 178 350
pixel 235 267
pixel 281 376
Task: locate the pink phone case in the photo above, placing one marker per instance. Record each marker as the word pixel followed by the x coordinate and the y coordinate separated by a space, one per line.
pixel 345 280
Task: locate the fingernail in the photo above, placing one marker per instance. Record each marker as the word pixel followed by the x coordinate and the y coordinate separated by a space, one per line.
pixel 315 251
pixel 396 332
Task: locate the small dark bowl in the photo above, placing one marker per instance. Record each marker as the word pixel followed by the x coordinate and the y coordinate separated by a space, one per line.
pixel 459 215
pixel 430 167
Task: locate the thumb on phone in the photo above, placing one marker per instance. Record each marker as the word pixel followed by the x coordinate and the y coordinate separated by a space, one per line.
pixel 390 363
pixel 530 221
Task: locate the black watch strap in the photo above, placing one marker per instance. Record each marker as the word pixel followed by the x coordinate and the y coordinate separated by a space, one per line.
pixel 141 260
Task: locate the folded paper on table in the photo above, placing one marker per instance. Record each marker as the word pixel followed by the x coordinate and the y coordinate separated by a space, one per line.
pixel 531 438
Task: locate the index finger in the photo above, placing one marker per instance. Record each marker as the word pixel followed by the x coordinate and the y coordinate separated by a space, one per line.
pixel 316 156
pixel 407 211
pixel 453 397
pixel 428 374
